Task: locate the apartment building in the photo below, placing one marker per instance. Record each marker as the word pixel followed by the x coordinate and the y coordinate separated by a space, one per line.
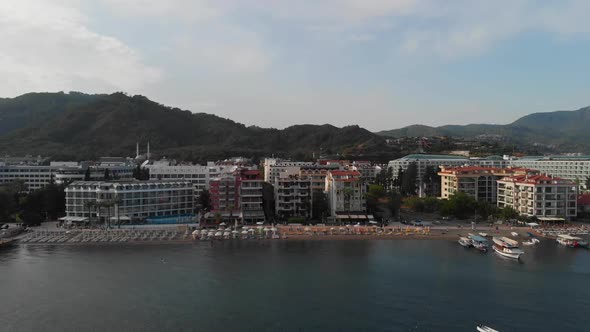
pixel 151 201
pixel 476 181
pixel 540 195
pixel 293 196
pixel 251 202
pixel 346 193
pixel 274 168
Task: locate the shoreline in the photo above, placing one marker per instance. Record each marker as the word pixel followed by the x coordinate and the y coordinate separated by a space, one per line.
pixel 434 234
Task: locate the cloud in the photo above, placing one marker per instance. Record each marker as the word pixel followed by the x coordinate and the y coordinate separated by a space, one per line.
pixel 56 51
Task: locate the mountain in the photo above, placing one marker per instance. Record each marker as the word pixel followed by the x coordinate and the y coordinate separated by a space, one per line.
pixel 565 130
pixel 77 126
pixel 32 108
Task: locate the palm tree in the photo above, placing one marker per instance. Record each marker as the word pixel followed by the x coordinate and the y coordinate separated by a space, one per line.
pixel 89 205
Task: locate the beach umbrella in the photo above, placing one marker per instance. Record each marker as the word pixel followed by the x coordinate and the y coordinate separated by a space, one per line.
pixel 274 229
pixel 222 224
pixel 196 232
pixel 245 232
pixel 307 229
pixel 260 223
pixel 236 232
pixel 266 229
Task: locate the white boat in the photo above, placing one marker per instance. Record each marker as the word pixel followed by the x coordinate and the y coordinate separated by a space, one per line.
pixel 531 242
pixel 507 247
pixel 483 234
pixel 479 242
pixel 513 233
pixel 571 241
pixel 465 242
pixel 483 328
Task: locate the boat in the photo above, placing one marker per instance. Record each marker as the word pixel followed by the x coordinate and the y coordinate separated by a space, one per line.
pixel 531 242
pixel 507 247
pixel 513 233
pixel 5 243
pixel 465 242
pixel 479 242
pixel 571 241
pixel 483 328
pixel 483 234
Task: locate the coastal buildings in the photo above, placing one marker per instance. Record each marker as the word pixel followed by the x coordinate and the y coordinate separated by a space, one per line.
pixel 293 196
pixel 346 193
pixel 251 196
pixel 274 167
pixel 199 175
pixel 238 195
pixel 540 195
pixel 574 168
pixel 476 181
pixel 429 161
pixel 37 176
pixel 153 201
pixel 34 177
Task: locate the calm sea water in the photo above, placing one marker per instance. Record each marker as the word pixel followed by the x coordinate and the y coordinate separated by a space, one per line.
pixel 292 286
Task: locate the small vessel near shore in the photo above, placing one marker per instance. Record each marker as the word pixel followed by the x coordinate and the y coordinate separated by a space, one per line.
pixel 531 242
pixel 483 328
pixel 507 247
pixel 571 241
pixel 479 242
pixel 5 243
pixel 465 242
pixel 513 233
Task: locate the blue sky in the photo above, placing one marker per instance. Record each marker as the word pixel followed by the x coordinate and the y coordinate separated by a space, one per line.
pixel 381 64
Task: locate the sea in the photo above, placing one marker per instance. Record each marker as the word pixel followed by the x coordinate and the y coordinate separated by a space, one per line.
pixel 312 285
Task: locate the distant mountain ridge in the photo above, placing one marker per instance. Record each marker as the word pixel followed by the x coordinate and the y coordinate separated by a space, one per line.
pixel 78 126
pixel 563 129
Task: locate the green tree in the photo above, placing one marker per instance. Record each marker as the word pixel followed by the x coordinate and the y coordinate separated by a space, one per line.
pixel 268 202
pixel 408 182
pixel 507 213
pixel 87 174
pixel 205 200
pixel 375 193
pixel 320 206
pixel 459 205
pixel 431 181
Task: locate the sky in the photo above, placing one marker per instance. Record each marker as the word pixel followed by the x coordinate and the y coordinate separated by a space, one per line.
pixel 379 64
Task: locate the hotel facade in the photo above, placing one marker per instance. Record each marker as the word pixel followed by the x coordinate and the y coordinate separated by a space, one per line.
pixel 541 195
pixel 151 201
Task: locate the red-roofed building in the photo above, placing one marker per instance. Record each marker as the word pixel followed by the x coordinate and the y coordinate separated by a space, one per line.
pixel 477 181
pixel 238 195
pixel 539 195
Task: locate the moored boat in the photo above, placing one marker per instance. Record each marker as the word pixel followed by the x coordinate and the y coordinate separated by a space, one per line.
pixel 513 233
pixel 531 242
pixel 479 242
pixel 7 243
pixel 507 247
pixel 483 328
pixel 571 241
pixel 465 242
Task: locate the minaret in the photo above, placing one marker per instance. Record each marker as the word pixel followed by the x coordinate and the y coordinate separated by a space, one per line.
pixel 148 151
pixel 136 149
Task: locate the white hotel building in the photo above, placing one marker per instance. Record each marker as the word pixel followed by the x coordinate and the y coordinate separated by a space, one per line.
pixel 573 168
pixel 540 195
pixel 153 201
pixel 199 175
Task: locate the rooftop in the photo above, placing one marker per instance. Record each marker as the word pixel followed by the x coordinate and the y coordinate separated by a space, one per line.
pixel 433 156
